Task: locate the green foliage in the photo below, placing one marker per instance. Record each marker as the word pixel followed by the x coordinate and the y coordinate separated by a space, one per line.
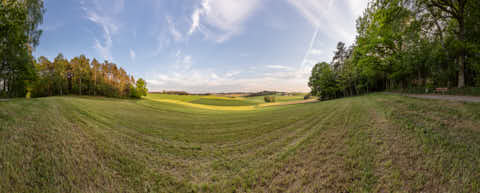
pixel 142 87
pixel 307 96
pixel 133 92
pixel 404 44
pixel 269 99
pixel 323 81
pixel 81 76
pixel 19 34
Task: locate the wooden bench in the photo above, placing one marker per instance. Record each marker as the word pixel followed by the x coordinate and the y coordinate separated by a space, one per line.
pixel 441 90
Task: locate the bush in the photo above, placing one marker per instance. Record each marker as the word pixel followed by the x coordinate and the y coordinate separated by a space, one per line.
pixel 308 96
pixel 269 99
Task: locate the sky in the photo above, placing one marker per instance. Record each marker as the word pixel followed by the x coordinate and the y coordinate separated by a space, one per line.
pixel 203 45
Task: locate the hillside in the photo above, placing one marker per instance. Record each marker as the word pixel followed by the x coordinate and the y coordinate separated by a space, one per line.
pixel 369 143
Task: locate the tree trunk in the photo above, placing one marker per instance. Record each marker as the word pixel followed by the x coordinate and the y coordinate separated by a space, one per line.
pixel 95 87
pixel 461 57
pixel 80 87
pixel 461 38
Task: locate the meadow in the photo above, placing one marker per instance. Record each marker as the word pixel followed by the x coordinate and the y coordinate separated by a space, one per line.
pixel 164 143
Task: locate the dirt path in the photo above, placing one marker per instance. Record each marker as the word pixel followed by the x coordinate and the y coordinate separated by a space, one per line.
pixel 446 97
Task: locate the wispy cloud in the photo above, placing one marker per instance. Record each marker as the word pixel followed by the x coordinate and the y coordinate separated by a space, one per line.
pixel 221 19
pixel 276 77
pixel 132 55
pixel 334 19
pixel 279 67
pixel 177 36
pixel 208 80
pixel 103 13
pixel 332 16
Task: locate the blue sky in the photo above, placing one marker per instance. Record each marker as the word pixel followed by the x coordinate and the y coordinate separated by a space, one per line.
pixel 203 45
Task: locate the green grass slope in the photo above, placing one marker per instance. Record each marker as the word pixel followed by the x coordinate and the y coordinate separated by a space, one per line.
pixel 278 98
pixel 375 143
pixel 222 102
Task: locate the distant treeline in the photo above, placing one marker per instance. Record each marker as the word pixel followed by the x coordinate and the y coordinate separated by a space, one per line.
pixel 171 92
pixel 245 94
pixel 265 93
pixel 261 93
pixel 404 44
pixel 81 76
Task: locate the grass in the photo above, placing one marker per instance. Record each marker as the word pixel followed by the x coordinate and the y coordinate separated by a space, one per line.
pixel 278 98
pixel 223 102
pixel 373 143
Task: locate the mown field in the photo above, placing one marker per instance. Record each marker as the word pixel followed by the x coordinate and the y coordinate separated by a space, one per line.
pixel 374 143
pixel 225 101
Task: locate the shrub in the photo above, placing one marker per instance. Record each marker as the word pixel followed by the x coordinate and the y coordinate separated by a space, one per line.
pixel 308 96
pixel 269 99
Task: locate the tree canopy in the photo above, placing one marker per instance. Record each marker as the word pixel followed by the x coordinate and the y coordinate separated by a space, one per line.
pixel 23 75
pixel 19 34
pixel 82 76
pixel 403 44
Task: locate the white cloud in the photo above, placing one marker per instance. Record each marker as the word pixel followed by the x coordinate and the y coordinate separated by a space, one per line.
pixel 357 7
pixel 183 62
pixel 132 55
pixel 195 20
pixel 187 60
pixel 221 18
pixel 279 67
pixel 316 52
pixel 210 81
pixel 103 13
pixel 333 19
pixel 177 36
pixel 104 49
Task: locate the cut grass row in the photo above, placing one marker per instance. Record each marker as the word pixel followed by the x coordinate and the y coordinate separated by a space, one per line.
pixel 375 143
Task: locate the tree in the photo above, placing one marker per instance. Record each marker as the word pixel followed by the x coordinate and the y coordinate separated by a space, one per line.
pixel 339 56
pixel 60 64
pixel 83 78
pixel 455 9
pixel 141 87
pixel 19 35
pixel 95 68
pixel 323 81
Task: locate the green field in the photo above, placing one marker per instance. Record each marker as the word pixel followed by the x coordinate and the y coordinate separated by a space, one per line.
pixel 221 102
pixel 260 99
pixel 225 101
pixel 374 143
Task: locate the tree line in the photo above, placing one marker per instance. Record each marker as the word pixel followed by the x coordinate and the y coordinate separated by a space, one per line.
pixel 23 75
pixel 403 44
pixel 81 76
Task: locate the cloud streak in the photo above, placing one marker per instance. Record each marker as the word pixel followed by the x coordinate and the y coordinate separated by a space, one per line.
pixel 221 19
pixel 177 36
pixel 210 81
pixel 332 21
pixel 97 12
